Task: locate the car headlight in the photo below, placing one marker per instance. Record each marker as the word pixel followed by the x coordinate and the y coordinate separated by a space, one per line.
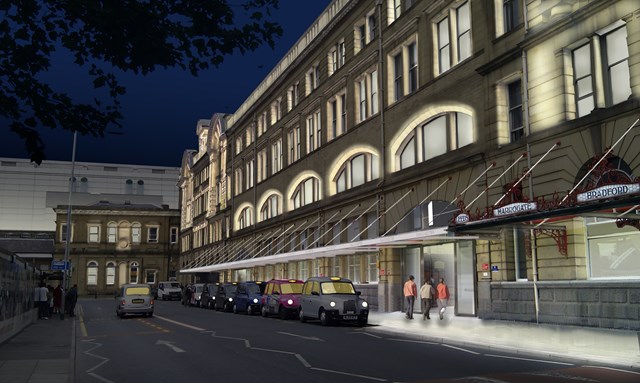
pixel 365 304
pixel 332 304
pixel 289 302
pixel 213 298
pixel 230 299
pixel 255 300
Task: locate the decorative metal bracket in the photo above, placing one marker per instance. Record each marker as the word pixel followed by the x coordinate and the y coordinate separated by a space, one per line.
pixel 558 235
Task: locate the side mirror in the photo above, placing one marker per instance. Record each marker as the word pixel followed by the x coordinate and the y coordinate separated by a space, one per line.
pixel 276 293
pixel 315 293
pixel 358 293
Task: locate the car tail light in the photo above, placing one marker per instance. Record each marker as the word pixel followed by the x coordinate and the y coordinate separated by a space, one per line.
pixel 123 302
pixel 151 302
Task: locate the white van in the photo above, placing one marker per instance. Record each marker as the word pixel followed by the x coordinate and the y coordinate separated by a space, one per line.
pixel 169 290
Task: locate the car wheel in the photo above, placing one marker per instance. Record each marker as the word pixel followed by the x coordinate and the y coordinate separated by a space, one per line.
pixel 150 314
pixel 263 311
pixel 121 315
pixel 362 322
pixel 249 310
pixel 282 313
pixel 301 315
pixel 235 309
pixel 324 320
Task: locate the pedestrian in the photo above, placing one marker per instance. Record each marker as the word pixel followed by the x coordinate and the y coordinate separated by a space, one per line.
pixel 70 300
pixel 427 293
pixel 49 300
pixel 187 295
pixel 43 301
pixel 57 299
pixel 443 297
pixel 410 293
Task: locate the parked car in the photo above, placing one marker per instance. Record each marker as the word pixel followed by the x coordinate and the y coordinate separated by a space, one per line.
pixel 134 299
pixel 208 296
pixel 247 297
pixel 332 299
pixel 169 290
pixel 281 297
pixel 224 296
pixel 196 293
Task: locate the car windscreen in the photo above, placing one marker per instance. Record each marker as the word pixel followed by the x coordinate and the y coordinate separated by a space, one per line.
pixel 174 285
pixel 253 289
pixel 337 288
pixel 291 288
pixel 232 289
pixel 138 290
pixel 198 289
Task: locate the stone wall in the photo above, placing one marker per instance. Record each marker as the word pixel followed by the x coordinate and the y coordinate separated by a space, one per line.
pixel 604 304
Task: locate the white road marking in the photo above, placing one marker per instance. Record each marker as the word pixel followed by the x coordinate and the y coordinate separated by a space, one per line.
pixel 349 374
pixel 614 369
pixel 180 323
pixel 413 341
pixel 170 345
pixel 365 333
pixel 462 349
pixel 528 360
pixel 104 360
pixel 301 336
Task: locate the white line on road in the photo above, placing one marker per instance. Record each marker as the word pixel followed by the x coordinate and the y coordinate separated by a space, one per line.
pixel 412 341
pixel 528 360
pixel 614 369
pixel 170 345
pixel 179 323
pixel 104 360
pixel 301 336
pixel 350 374
pixel 462 349
pixel 365 333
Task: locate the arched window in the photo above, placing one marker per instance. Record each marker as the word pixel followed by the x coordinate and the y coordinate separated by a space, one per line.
pixel 111 273
pixel 306 192
pixel 439 135
pixel 245 218
pixel 359 169
pixel 134 268
pixel 92 273
pixel 270 208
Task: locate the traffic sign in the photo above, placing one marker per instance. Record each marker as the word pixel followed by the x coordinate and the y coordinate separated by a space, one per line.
pixel 59 265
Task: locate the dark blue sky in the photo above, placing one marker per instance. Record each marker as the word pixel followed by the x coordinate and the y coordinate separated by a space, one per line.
pixel 161 109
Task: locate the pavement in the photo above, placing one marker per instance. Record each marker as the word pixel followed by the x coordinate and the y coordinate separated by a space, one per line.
pixel 44 352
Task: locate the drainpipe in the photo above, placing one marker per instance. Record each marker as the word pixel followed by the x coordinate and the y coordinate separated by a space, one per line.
pixel 383 145
pixel 527 126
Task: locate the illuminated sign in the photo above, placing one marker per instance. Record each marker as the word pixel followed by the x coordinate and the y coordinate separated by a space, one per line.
pixel 515 208
pixel 608 191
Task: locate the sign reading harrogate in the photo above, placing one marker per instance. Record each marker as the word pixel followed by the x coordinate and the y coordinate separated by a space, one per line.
pixel 608 191
pixel 515 208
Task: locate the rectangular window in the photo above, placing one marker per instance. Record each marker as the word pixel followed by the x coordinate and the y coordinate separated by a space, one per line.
pixel 111 234
pixel 353 268
pixel 583 80
pixel 614 252
pixel 238 179
pixel 294 144
pixel 372 268
pixel 152 234
pixel 94 234
pixel 373 80
pixel 276 156
pixel 464 130
pixel 463 26
pixel 173 237
pixel 111 274
pixel 314 130
pixel 516 126
pixel 371 27
pixel 63 233
pixel 617 78
pixel 92 275
pixel 397 77
pixel 136 234
pixel 444 55
pixel 362 99
pixel 262 165
pixel 249 173
pixel 412 50
pixel 511 14
pixel 394 10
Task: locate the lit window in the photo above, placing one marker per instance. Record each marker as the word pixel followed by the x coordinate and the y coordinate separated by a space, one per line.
pixel 336 115
pixel 516 126
pixel 403 78
pixel 92 273
pixel 356 171
pixel 456 24
pixel 294 144
pixel 136 233
pixel 111 273
pixel 276 156
pixel 112 231
pixel 245 220
pixel 314 131
pixel 270 208
pixel 394 10
pixel 262 165
pixel 306 192
pixel 249 173
pixel 173 237
pixel 94 234
pixel 367 95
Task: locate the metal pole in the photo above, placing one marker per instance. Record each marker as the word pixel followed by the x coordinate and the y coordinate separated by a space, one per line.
pixel 68 233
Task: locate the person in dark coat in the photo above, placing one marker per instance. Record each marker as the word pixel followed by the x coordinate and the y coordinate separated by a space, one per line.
pixel 57 299
pixel 70 300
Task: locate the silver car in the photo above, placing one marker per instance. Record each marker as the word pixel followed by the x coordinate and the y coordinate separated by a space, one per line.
pixel 332 299
pixel 134 299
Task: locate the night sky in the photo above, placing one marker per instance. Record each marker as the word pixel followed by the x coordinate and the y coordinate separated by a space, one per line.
pixel 161 110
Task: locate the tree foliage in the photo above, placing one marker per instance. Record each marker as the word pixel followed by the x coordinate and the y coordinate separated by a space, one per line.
pixel 106 39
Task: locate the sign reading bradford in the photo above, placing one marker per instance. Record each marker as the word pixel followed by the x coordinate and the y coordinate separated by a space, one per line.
pixel 515 208
pixel 608 191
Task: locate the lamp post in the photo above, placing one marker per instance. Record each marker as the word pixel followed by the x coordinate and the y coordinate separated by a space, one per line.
pixel 68 233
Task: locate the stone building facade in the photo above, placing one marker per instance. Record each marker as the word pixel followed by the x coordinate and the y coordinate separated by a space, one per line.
pixel 489 143
pixel 115 242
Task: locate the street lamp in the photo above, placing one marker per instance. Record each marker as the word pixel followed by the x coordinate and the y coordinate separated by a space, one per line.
pixel 68 233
